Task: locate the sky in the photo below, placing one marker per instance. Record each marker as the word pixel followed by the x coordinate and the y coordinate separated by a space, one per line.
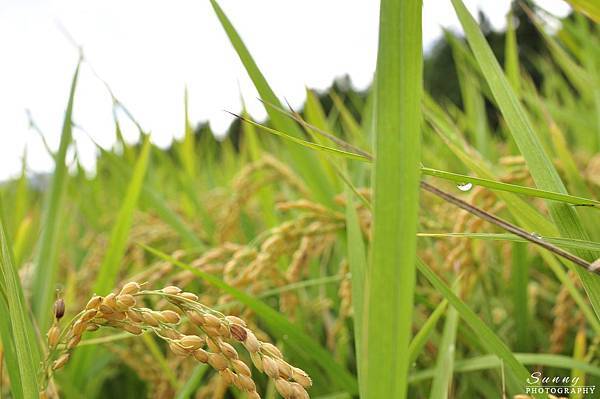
pixel 149 53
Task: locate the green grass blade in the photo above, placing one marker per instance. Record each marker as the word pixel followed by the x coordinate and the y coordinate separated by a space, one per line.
pixel 254 149
pixel 542 170
pixel 26 348
pixel 420 339
pixel 308 144
pixel 565 154
pixel 511 53
pixel 461 50
pixel 46 263
pixel 591 8
pixel 188 147
pixel 576 74
pixel 315 116
pixel 354 190
pixel 109 269
pixel 561 242
pixel 23 237
pixel 154 200
pixel 492 342
pixel 444 367
pixel 390 277
pixel 192 382
pixel 298 340
pixel 9 352
pixel 579 353
pixel 302 159
pixel 520 294
pixel 357 260
pixel 21 198
pixel 473 101
pixel 511 188
pixel 160 359
pixel 319 281
pixel 350 124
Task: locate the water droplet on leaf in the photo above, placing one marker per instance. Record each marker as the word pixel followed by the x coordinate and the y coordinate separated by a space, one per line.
pixel 464 186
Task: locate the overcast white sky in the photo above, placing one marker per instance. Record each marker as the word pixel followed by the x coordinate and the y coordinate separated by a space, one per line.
pixel 148 51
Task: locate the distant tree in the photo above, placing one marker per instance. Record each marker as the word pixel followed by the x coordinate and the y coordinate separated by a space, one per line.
pixel 441 79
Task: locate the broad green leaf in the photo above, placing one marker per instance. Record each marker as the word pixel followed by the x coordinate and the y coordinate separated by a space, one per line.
pixel 390 278
pixel 22 346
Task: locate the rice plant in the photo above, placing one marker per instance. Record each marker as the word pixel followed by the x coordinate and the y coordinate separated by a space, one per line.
pixel 392 243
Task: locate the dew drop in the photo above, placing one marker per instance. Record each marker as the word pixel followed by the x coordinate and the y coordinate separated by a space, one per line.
pixel 536 235
pixel 464 186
